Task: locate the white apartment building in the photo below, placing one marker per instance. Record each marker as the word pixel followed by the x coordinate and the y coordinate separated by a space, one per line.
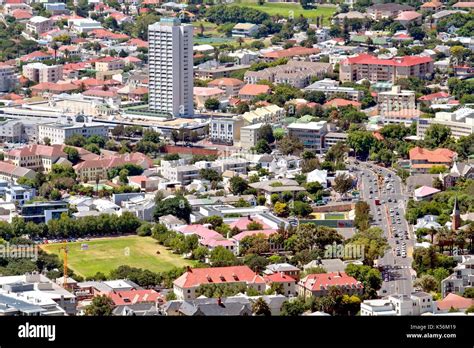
pixel 11 131
pixel 416 304
pixel 331 87
pixel 310 134
pixel 333 138
pixel 225 130
pixel 178 171
pixel 461 122
pixel 38 25
pixel 461 279
pixel 39 72
pixel 238 165
pixel 398 100
pixel 59 132
pixel 7 77
pixel 244 30
pixel 249 135
pixel 83 25
pixel 171 67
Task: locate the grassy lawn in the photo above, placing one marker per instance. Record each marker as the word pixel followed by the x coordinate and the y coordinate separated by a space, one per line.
pixel 106 254
pixel 287 9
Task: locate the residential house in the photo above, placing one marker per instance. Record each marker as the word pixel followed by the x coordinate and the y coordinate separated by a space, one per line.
pixel 317 285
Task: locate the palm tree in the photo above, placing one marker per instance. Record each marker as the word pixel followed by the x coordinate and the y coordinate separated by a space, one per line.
pixel 55 47
pixel 260 307
pixel 240 41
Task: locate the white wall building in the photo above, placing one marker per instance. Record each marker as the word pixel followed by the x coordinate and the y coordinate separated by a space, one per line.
pixel 58 132
pixel 461 122
pixel 171 67
pixel 417 303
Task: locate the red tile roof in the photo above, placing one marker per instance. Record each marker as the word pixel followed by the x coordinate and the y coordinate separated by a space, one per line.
pixel 225 81
pixel 396 61
pixel 116 161
pixel 279 278
pixel 454 301
pixel 37 150
pixel 434 96
pixel 218 275
pixel 138 43
pixel 464 4
pixel 266 233
pixel 315 282
pixel 339 102
pixel 21 14
pixel 34 55
pixel 433 156
pixel 431 4
pixel 292 52
pixel 54 87
pixel 408 16
pixel 128 297
pixel 254 90
pixel 242 223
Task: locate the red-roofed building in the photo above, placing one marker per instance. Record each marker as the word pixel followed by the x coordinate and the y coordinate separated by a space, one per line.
pixel 366 66
pixel 455 302
pixel 131 297
pixel 21 15
pixel 464 5
pixel 243 222
pixel 339 102
pixel 89 170
pixel 36 56
pixel 291 52
pixel 185 286
pixel 317 285
pixel 53 88
pixel 407 18
pixel 436 98
pixel 35 157
pixel 230 85
pixel 138 43
pixel 250 91
pixel 421 160
pixel 105 34
pixel 287 283
pixel 431 6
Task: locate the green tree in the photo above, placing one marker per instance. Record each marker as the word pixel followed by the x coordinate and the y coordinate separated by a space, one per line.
pixel 222 257
pixel 101 305
pixel 343 183
pixel 266 132
pixel 292 308
pixel 212 104
pixel 437 135
pixel 260 307
pixel 72 154
pixel 177 206
pixel 238 185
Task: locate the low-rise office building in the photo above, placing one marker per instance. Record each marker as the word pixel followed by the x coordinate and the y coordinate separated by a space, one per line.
pixel 461 122
pixel 310 134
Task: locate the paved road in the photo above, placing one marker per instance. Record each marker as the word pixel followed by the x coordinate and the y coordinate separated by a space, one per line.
pixel 390 217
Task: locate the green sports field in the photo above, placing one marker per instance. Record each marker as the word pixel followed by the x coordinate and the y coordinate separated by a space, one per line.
pixel 290 9
pixel 105 254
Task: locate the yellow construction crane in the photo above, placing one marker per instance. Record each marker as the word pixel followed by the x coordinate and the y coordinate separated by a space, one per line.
pixel 65 249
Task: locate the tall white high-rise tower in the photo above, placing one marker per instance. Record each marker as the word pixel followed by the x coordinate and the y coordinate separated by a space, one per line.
pixel 170 57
